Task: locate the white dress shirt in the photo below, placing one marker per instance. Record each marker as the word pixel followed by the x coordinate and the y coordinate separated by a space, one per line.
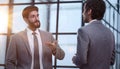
pixel 31 44
pixel 93 20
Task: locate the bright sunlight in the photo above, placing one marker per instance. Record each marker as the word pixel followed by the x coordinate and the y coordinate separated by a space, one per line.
pixel 3 20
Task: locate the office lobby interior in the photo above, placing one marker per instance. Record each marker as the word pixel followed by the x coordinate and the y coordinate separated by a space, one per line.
pixel 62 18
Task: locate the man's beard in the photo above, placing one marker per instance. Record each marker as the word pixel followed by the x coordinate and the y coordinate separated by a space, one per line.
pixel 33 24
pixel 85 17
pixel 85 20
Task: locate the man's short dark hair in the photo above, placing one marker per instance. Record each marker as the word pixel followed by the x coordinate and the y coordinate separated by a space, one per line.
pixel 27 10
pixel 98 8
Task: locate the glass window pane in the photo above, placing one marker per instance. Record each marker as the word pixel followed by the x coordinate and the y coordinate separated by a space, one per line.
pixel 22 1
pixel 18 22
pixel 54 0
pixel 4 1
pixel 53 60
pixel 111 16
pixel 1 67
pixel 53 57
pixel 67 68
pixel 3 19
pixel 115 35
pixel 43 16
pixel 70 0
pixel 114 3
pixel 68 44
pixel 107 13
pixel 53 17
pixel 44 0
pixel 70 17
pixel 2 48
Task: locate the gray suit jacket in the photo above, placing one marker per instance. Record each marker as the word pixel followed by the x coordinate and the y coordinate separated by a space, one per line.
pixel 19 54
pixel 94 46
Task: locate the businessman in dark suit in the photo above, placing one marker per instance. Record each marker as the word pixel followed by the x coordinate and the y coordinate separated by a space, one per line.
pixel 25 51
pixel 95 42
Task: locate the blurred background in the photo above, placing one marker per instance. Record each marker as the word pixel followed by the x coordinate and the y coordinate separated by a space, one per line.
pixel 60 17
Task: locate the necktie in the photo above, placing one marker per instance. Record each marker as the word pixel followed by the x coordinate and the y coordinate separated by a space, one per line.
pixel 36 64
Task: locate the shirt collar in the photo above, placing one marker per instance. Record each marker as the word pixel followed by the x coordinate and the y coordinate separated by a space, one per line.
pixel 30 31
pixel 93 20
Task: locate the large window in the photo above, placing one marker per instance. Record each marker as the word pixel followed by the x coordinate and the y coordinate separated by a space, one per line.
pixel 60 17
pixel 3 33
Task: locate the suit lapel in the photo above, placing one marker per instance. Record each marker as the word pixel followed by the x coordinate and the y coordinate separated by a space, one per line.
pixel 42 37
pixel 25 39
pixel 43 46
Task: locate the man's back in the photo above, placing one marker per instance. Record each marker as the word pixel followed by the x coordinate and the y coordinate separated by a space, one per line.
pixel 101 42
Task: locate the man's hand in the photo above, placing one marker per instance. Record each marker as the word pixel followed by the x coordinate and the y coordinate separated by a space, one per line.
pixel 52 46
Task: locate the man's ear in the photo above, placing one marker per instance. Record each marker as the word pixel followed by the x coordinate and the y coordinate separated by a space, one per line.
pixel 89 12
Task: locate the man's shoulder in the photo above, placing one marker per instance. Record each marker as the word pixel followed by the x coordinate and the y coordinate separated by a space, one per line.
pixel 84 28
pixel 18 34
pixel 44 32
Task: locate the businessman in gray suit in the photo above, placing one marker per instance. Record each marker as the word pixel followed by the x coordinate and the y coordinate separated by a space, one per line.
pixel 25 51
pixel 95 42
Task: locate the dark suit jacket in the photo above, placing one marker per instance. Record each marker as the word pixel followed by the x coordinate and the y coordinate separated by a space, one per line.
pixel 94 46
pixel 19 54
